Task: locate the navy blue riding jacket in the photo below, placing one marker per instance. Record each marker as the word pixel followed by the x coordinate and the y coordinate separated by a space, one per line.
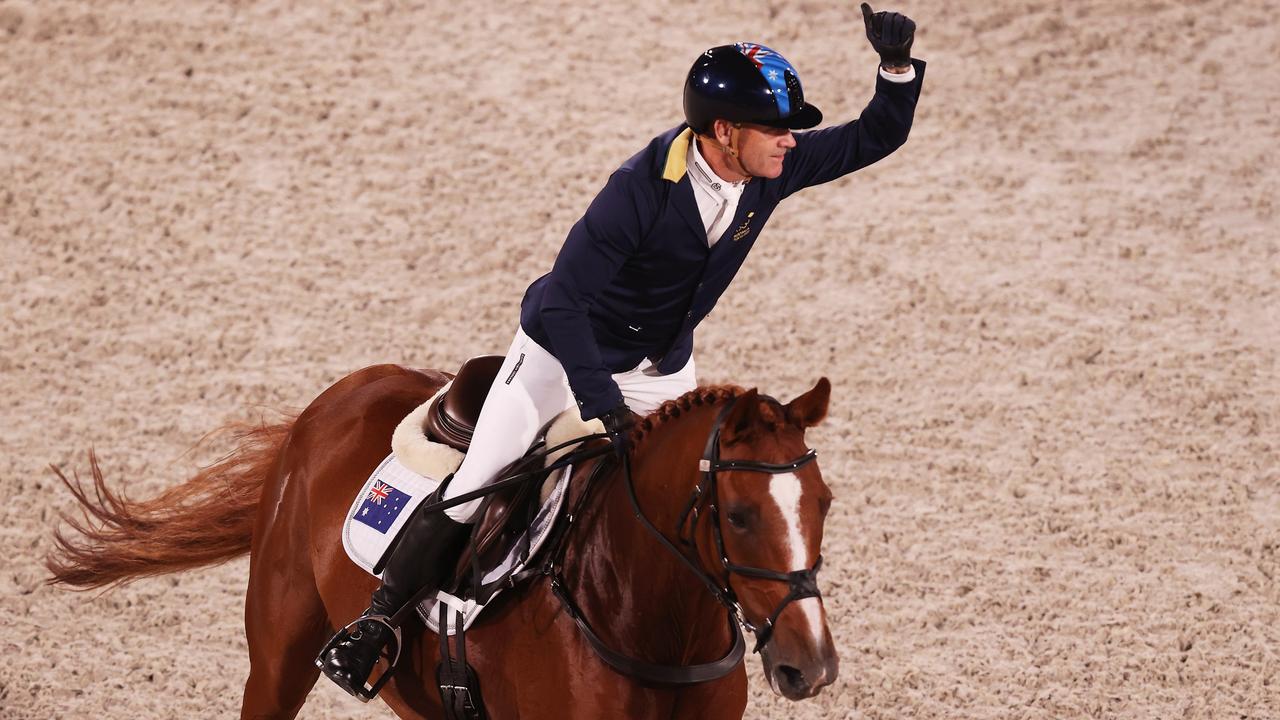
pixel 635 275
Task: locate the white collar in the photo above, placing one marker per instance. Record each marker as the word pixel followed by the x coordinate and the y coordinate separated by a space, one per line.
pixel 706 178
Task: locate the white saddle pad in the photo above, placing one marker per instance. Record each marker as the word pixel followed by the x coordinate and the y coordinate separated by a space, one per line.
pixel 413 470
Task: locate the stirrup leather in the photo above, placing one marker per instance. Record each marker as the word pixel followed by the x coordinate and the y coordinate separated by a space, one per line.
pixel 459 684
pixel 390 652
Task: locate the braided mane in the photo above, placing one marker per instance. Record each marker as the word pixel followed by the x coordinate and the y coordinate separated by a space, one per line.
pixel 698 397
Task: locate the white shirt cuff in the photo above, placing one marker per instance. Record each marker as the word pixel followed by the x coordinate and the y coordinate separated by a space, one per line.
pixel 905 77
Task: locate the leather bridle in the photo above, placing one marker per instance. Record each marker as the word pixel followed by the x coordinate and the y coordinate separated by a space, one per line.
pixel 801 583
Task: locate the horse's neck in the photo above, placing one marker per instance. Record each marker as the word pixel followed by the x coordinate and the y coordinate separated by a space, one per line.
pixel 637 592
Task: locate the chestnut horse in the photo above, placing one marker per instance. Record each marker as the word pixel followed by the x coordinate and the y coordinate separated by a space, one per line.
pixel 283 494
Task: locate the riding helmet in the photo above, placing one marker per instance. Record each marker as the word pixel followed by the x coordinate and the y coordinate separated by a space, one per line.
pixel 746 82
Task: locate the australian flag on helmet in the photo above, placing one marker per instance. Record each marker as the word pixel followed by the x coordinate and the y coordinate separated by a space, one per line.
pixel 381 506
pixel 746 82
pixel 775 70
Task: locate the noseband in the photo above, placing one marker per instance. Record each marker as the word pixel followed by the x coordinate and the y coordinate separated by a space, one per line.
pixel 801 583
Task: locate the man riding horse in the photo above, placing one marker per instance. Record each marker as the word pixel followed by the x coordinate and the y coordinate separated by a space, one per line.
pixel 610 328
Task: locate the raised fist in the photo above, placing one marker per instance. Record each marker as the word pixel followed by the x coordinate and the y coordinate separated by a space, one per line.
pixel 890 34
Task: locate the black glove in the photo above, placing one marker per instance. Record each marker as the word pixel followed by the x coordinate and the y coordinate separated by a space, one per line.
pixel 890 34
pixel 619 422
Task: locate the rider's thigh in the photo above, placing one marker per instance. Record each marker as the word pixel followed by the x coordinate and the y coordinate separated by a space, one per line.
pixel 528 391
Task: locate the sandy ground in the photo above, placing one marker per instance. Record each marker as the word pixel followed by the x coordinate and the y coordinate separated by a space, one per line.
pixel 1051 319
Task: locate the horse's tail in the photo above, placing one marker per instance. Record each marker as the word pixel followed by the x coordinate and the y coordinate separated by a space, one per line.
pixel 208 519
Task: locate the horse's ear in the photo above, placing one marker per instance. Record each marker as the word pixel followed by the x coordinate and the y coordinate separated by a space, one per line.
pixel 742 419
pixel 810 408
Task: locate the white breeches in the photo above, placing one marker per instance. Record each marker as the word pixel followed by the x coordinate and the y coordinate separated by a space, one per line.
pixel 529 390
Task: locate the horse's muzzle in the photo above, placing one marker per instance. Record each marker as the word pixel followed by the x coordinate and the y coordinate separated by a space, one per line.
pixel 798 683
pixel 798 667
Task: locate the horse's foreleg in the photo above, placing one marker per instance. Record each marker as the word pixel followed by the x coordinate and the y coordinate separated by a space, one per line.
pixel 285 619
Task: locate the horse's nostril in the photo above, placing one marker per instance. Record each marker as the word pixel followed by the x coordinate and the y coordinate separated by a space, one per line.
pixel 791 677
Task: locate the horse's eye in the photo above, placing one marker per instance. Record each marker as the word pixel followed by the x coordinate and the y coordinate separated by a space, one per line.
pixel 737 519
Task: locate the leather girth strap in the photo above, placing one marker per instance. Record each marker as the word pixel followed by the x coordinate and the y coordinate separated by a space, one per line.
pixel 459 686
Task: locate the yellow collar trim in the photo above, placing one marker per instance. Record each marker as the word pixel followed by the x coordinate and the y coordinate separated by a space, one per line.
pixel 676 154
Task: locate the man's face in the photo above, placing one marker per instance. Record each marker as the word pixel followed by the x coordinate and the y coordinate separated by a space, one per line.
pixel 762 148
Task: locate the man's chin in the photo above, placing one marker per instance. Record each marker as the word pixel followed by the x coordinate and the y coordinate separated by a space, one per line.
pixel 770 172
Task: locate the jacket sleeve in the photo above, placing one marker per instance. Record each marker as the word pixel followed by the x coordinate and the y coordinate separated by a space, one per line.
pixel 594 251
pixel 823 155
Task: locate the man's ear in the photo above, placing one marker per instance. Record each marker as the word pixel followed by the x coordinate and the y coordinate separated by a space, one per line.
pixel 810 408
pixel 722 131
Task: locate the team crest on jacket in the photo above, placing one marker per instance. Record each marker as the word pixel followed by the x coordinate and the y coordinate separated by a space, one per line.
pixel 744 228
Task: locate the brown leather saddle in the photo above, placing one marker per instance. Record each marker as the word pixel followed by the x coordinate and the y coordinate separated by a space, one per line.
pixel 451 419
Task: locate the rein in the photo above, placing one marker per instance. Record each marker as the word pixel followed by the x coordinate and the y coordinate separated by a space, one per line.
pixel 626 664
pixel 802 583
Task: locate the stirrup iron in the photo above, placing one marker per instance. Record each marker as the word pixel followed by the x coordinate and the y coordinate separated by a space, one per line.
pixel 391 653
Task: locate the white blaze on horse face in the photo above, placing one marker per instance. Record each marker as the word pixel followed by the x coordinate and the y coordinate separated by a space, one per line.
pixel 786 490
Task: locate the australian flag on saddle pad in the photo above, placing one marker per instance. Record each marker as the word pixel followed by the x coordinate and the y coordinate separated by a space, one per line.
pixel 382 505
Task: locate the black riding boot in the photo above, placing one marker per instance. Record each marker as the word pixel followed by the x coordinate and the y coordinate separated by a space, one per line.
pixel 424 556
